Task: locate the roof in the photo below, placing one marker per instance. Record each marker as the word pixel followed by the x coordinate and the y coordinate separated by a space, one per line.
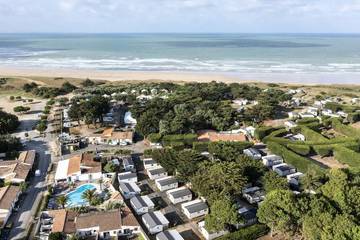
pixel 141 201
pixel 154 219
pixel 155 171
pixel 27 157
pixel 74 165
pixel 22 170
pixel 166 181
pixel 7 196
pixel 213 136
pixel 169 235
pixel 126 175
pixel 63 221
pixel 110 133
pixel 195 206
pixel 106 221
pixel 129 187
pixel 149 162
pixel 128 161
pixel 179 192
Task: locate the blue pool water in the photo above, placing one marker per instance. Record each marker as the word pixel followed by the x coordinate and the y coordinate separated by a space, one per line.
pixel 75 198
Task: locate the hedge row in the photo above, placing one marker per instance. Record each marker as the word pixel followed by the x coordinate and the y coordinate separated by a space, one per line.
pixel 304 121
pixel 323 150
pixel 277 133
pixel 154 137
pixel 347 156
pixel 302 164
pixel 248 233
pixel 338 107
pixel 312 135
pixel 201 146
pixel 303 150
pixel 186 139
pixel 262 132
pixel 345 129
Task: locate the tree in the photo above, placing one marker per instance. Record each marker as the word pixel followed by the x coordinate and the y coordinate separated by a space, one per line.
pixel 89 195
pixel 187 164
pixel 56 236
pixel 222 214
pixel 41 127
pixel 219 179
pixel 8 122
pixel 110 167
pixel 21 109
pixel 88 83
pixel 68 87
pixel 62 200
pixel 272 181
pixel 228 151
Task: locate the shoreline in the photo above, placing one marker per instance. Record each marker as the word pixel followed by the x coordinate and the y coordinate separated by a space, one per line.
pixel 114 76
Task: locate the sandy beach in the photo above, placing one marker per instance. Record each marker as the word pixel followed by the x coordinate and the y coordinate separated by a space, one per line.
pixel 298 78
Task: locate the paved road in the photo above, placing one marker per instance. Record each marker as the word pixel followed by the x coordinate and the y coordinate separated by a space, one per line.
pixel 24 216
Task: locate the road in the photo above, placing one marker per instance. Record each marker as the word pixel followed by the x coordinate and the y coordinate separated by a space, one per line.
pixel 23 218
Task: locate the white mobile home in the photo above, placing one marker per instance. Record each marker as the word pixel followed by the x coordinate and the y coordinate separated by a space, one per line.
pixel 210 235
pixel 294 178
pixel 150 163
pixel 155 222
pixel 253 153
pixel 129 189
pixel 156 173
pixel 253 194
pixel 272 160
pixel 128 164
pixel 127 177
pixel 194 209
pixel 142 204
pixel 179 195
pixel 169 235
pixel 166 183
pixel 283 169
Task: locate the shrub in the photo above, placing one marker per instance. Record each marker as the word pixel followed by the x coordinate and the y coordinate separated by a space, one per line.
pixel 353 117
pixel 186 139
pixel 248 233
pixel 307 121
pixel 347 156
pixel 263 131
pixel 148 152
pixel 312 135
pixel 178 146
pixel 201 146
pixel 345 129
pixel 302 164
pixel 303 150
pixel 154 137
pixel 228 151
pixel 323 150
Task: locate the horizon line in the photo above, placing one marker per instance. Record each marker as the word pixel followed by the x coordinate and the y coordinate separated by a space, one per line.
pixel 290 33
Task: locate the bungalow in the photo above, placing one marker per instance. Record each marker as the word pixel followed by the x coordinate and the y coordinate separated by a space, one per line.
pixel 129 189
pixel 210 235
pixel 213 136
pixel 127 177
pixel 294 178
pixel 128 164
pixel 169 235
pixel 253 195
pixel 81 167
pixel 150 163
pixel 156 173
pixel 155 222
pixel 8 198
pixel 290 124
pixel 91 225
pixel 112 137
pixel 179 195
pixel 271 160
pixel 14 171
pixel 253 153
pixel 142 204
pixel 283 169
pixel 194 209
pixel 166 183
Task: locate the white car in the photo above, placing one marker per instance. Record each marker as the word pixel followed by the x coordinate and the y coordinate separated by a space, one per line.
pixel 38 173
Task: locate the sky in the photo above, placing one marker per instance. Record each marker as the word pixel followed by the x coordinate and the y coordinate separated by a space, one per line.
pixel 293 16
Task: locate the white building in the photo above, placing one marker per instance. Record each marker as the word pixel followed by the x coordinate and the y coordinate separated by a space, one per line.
pixel 210 235
pixel 166 183
pixel 179 195
pixel 129 189
pixel 294 178
pixel 283 169
pixel 253 195
pixel 150 163
pixel 195 208
pixel 290 124
pixel 142 204
pixel 156 173
pixel 8 197
pixel 253 153
pixel 155 222
pixel 128 177
pixel 272 160
pixel 128 164
pixel 169 235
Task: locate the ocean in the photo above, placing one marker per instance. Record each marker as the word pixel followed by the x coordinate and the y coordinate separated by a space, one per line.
pixel 333 55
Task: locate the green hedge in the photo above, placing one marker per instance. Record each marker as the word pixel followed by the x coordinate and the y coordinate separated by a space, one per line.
pixel 323 150
pixel 353 117
pixel 345 129
pixel 262 132
pixel 302 164
pixel 304 121
pixel 277 133
pixel 201 146
pixel 186 139
pixel 312 135
pixel 178 146
pixel 154 137
pixel 303 150
pixel 347 156
pixel 248 233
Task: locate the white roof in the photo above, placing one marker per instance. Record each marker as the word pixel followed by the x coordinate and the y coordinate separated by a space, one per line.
pixel 62 169
pixel 128 119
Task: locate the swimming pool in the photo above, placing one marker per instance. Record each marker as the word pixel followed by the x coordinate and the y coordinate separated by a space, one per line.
pixel 74 197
